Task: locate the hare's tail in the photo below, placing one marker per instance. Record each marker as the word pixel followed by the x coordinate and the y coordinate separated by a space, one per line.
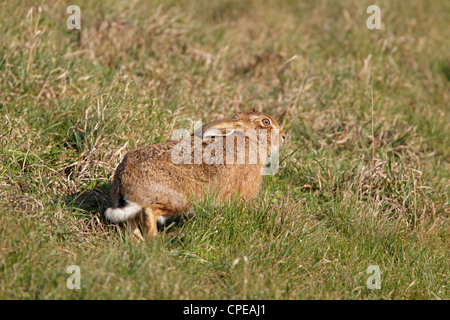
pixel 123 213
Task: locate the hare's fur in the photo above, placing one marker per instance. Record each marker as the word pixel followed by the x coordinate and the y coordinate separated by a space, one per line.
pixel 148 186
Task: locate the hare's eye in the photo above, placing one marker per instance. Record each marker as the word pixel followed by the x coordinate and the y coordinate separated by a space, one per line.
pixel 266 121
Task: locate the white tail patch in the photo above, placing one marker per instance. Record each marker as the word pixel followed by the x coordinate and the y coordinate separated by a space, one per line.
pixel 130 210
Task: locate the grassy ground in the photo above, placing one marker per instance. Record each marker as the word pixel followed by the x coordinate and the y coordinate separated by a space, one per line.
pixel 365 170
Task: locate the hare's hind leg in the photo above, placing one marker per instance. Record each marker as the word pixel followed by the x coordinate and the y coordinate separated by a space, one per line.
pixel 151 214
pixel 133 228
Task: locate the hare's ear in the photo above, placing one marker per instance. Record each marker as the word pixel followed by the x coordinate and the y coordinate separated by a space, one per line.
pixel 217 132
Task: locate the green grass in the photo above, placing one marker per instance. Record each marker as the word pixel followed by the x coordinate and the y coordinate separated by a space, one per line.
pixel 360 183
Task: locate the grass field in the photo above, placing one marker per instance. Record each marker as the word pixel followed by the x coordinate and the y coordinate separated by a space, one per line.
pixel 364 177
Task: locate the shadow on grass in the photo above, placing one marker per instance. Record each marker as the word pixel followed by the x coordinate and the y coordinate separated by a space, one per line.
pixel 90 203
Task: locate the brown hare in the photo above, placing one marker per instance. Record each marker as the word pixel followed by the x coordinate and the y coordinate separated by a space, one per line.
pixel 224 159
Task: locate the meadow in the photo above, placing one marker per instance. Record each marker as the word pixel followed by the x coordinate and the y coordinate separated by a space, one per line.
pixel 364 173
